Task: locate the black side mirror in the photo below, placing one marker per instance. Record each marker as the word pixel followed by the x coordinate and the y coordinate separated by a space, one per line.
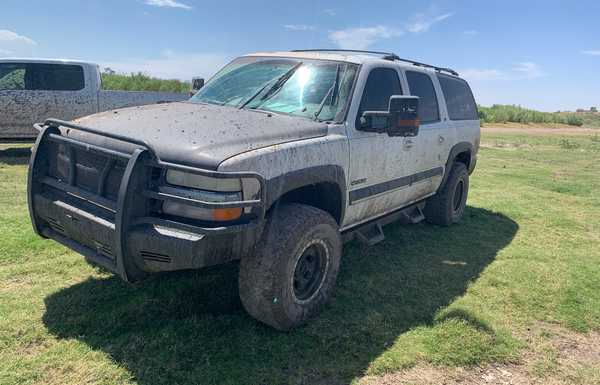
pixel 401 118
pixel 197 83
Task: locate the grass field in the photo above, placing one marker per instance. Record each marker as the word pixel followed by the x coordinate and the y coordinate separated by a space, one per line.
pixel 504 289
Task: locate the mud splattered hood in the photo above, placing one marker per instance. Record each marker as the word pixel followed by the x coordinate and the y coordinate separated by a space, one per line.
pixel 197 134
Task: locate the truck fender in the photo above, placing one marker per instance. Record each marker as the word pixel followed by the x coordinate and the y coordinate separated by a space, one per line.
pixel 284 183
pixel 458 148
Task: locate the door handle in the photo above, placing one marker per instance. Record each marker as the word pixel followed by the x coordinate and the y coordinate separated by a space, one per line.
pixel 441 139
pixel 408 144
pixel 20 99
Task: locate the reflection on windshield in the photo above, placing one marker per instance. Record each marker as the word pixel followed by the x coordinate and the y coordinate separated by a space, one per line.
pixel 310 88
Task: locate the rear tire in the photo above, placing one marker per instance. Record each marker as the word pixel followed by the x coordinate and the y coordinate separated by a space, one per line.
pixel 294 270
pixel 448 205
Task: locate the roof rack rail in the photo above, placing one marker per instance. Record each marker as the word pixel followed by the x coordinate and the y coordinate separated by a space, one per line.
pixel 385 55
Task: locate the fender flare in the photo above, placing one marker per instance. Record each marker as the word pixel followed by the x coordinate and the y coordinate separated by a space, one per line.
pixel 280 185
pixel 458 148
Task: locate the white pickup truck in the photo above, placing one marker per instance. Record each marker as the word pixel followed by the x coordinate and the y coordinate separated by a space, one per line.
pixel 32 90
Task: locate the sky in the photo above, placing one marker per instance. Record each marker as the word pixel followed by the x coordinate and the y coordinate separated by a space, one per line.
pixel 537 54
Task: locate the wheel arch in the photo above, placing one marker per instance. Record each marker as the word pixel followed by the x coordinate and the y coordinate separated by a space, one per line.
pixel 323 187
pixel 461 152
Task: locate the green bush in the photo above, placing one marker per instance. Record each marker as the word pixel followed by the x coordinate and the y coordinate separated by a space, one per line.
pixel 141 82
pixel 500 113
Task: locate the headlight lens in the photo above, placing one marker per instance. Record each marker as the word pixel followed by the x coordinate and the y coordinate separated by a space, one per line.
pixel 186 179
pixel 205 189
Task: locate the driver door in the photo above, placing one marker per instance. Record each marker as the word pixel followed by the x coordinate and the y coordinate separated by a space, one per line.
pixel 381 166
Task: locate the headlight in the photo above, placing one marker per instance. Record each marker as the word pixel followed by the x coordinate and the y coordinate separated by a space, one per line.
pixel 186 179
pixel 205 189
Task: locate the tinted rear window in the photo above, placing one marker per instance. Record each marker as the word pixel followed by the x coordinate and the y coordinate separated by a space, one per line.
pixel 41 77
pixel 12 76
pixel 459 98
pixel 420 85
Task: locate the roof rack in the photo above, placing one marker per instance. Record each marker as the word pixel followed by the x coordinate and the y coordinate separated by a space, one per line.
pixel 384 55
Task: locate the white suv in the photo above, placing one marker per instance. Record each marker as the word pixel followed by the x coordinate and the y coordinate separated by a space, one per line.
pixel 276 161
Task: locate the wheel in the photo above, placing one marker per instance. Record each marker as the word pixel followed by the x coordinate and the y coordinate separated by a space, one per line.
pixel 293 272
pixel 448 205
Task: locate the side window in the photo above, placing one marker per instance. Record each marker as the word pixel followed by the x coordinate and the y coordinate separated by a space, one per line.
pixel 459 98
pixel 54 77
pixel 12 76
pixel 420 85
pixel 381 84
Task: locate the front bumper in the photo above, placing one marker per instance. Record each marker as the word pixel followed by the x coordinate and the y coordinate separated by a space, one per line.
pixel 102 204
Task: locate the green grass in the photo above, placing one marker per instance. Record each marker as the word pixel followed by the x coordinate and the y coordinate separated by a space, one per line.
pixel 141 82
pixel 527 252
pixel 499 113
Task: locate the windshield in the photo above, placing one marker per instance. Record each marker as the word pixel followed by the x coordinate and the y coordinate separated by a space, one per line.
pixel 311 88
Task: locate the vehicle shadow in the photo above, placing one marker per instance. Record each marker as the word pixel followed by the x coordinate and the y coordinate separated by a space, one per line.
pixel 15 155
pixel 190 327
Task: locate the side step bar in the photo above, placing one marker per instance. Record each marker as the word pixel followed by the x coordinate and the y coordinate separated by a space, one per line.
pixel 371 233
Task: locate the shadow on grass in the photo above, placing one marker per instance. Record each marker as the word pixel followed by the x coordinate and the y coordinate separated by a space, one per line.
pixel 15 155
pixel 190 327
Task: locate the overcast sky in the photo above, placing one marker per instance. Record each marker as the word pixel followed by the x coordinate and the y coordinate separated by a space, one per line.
pixel 539 54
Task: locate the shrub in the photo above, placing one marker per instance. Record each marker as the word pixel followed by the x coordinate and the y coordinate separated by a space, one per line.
pixel 141 82
pixel 499 113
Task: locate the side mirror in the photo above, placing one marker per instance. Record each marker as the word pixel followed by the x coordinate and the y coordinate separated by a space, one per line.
pixel 401 118
pixel 404 114
pixel 197 83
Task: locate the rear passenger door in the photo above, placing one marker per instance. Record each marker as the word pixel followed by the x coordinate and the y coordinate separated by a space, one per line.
pixel 432 145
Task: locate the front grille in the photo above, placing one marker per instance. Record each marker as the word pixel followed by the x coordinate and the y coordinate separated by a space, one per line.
pixel 93 172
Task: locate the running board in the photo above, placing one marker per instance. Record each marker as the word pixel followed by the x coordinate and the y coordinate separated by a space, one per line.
pixel 371 233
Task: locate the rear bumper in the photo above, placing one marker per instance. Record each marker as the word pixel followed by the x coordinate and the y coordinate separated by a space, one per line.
pixel 124 233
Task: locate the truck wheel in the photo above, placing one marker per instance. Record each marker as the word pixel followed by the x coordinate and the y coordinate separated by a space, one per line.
pixel 448 205
pixel 293 272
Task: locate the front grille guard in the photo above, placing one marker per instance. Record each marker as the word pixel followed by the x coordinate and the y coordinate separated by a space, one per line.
pixel 142 158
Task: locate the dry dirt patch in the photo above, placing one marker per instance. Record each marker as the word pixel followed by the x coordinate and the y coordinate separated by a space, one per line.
pixel 537 130
pixel 556 357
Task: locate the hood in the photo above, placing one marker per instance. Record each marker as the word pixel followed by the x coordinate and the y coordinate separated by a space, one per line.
pixel 198 135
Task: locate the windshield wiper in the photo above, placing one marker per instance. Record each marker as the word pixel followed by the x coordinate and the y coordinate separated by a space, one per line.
pixel 330 92
pixel 251 98
pixel 275 88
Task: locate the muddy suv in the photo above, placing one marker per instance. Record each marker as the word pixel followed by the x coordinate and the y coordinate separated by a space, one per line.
pixel 276 161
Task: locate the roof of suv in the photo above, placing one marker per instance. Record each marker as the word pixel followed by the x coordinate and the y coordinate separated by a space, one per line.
pixel 352 56
pixel 44 61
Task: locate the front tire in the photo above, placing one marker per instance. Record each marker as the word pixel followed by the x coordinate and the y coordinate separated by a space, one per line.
pixel 448 205
pixel 294 270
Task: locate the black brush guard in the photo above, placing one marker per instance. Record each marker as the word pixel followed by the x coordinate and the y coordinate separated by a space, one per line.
pixel 131 207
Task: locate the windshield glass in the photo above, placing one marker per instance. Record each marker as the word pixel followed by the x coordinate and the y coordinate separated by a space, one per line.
pixel 311 88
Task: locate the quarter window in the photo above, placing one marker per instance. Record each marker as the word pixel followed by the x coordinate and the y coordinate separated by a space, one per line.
pixel 420 85
pixel 459 98
pixel 41 77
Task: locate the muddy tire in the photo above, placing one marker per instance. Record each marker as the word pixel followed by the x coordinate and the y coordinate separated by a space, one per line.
pixel 294 269
pixel 448 205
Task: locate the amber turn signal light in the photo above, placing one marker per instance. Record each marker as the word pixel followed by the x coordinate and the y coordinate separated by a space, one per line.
pixel 229 214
